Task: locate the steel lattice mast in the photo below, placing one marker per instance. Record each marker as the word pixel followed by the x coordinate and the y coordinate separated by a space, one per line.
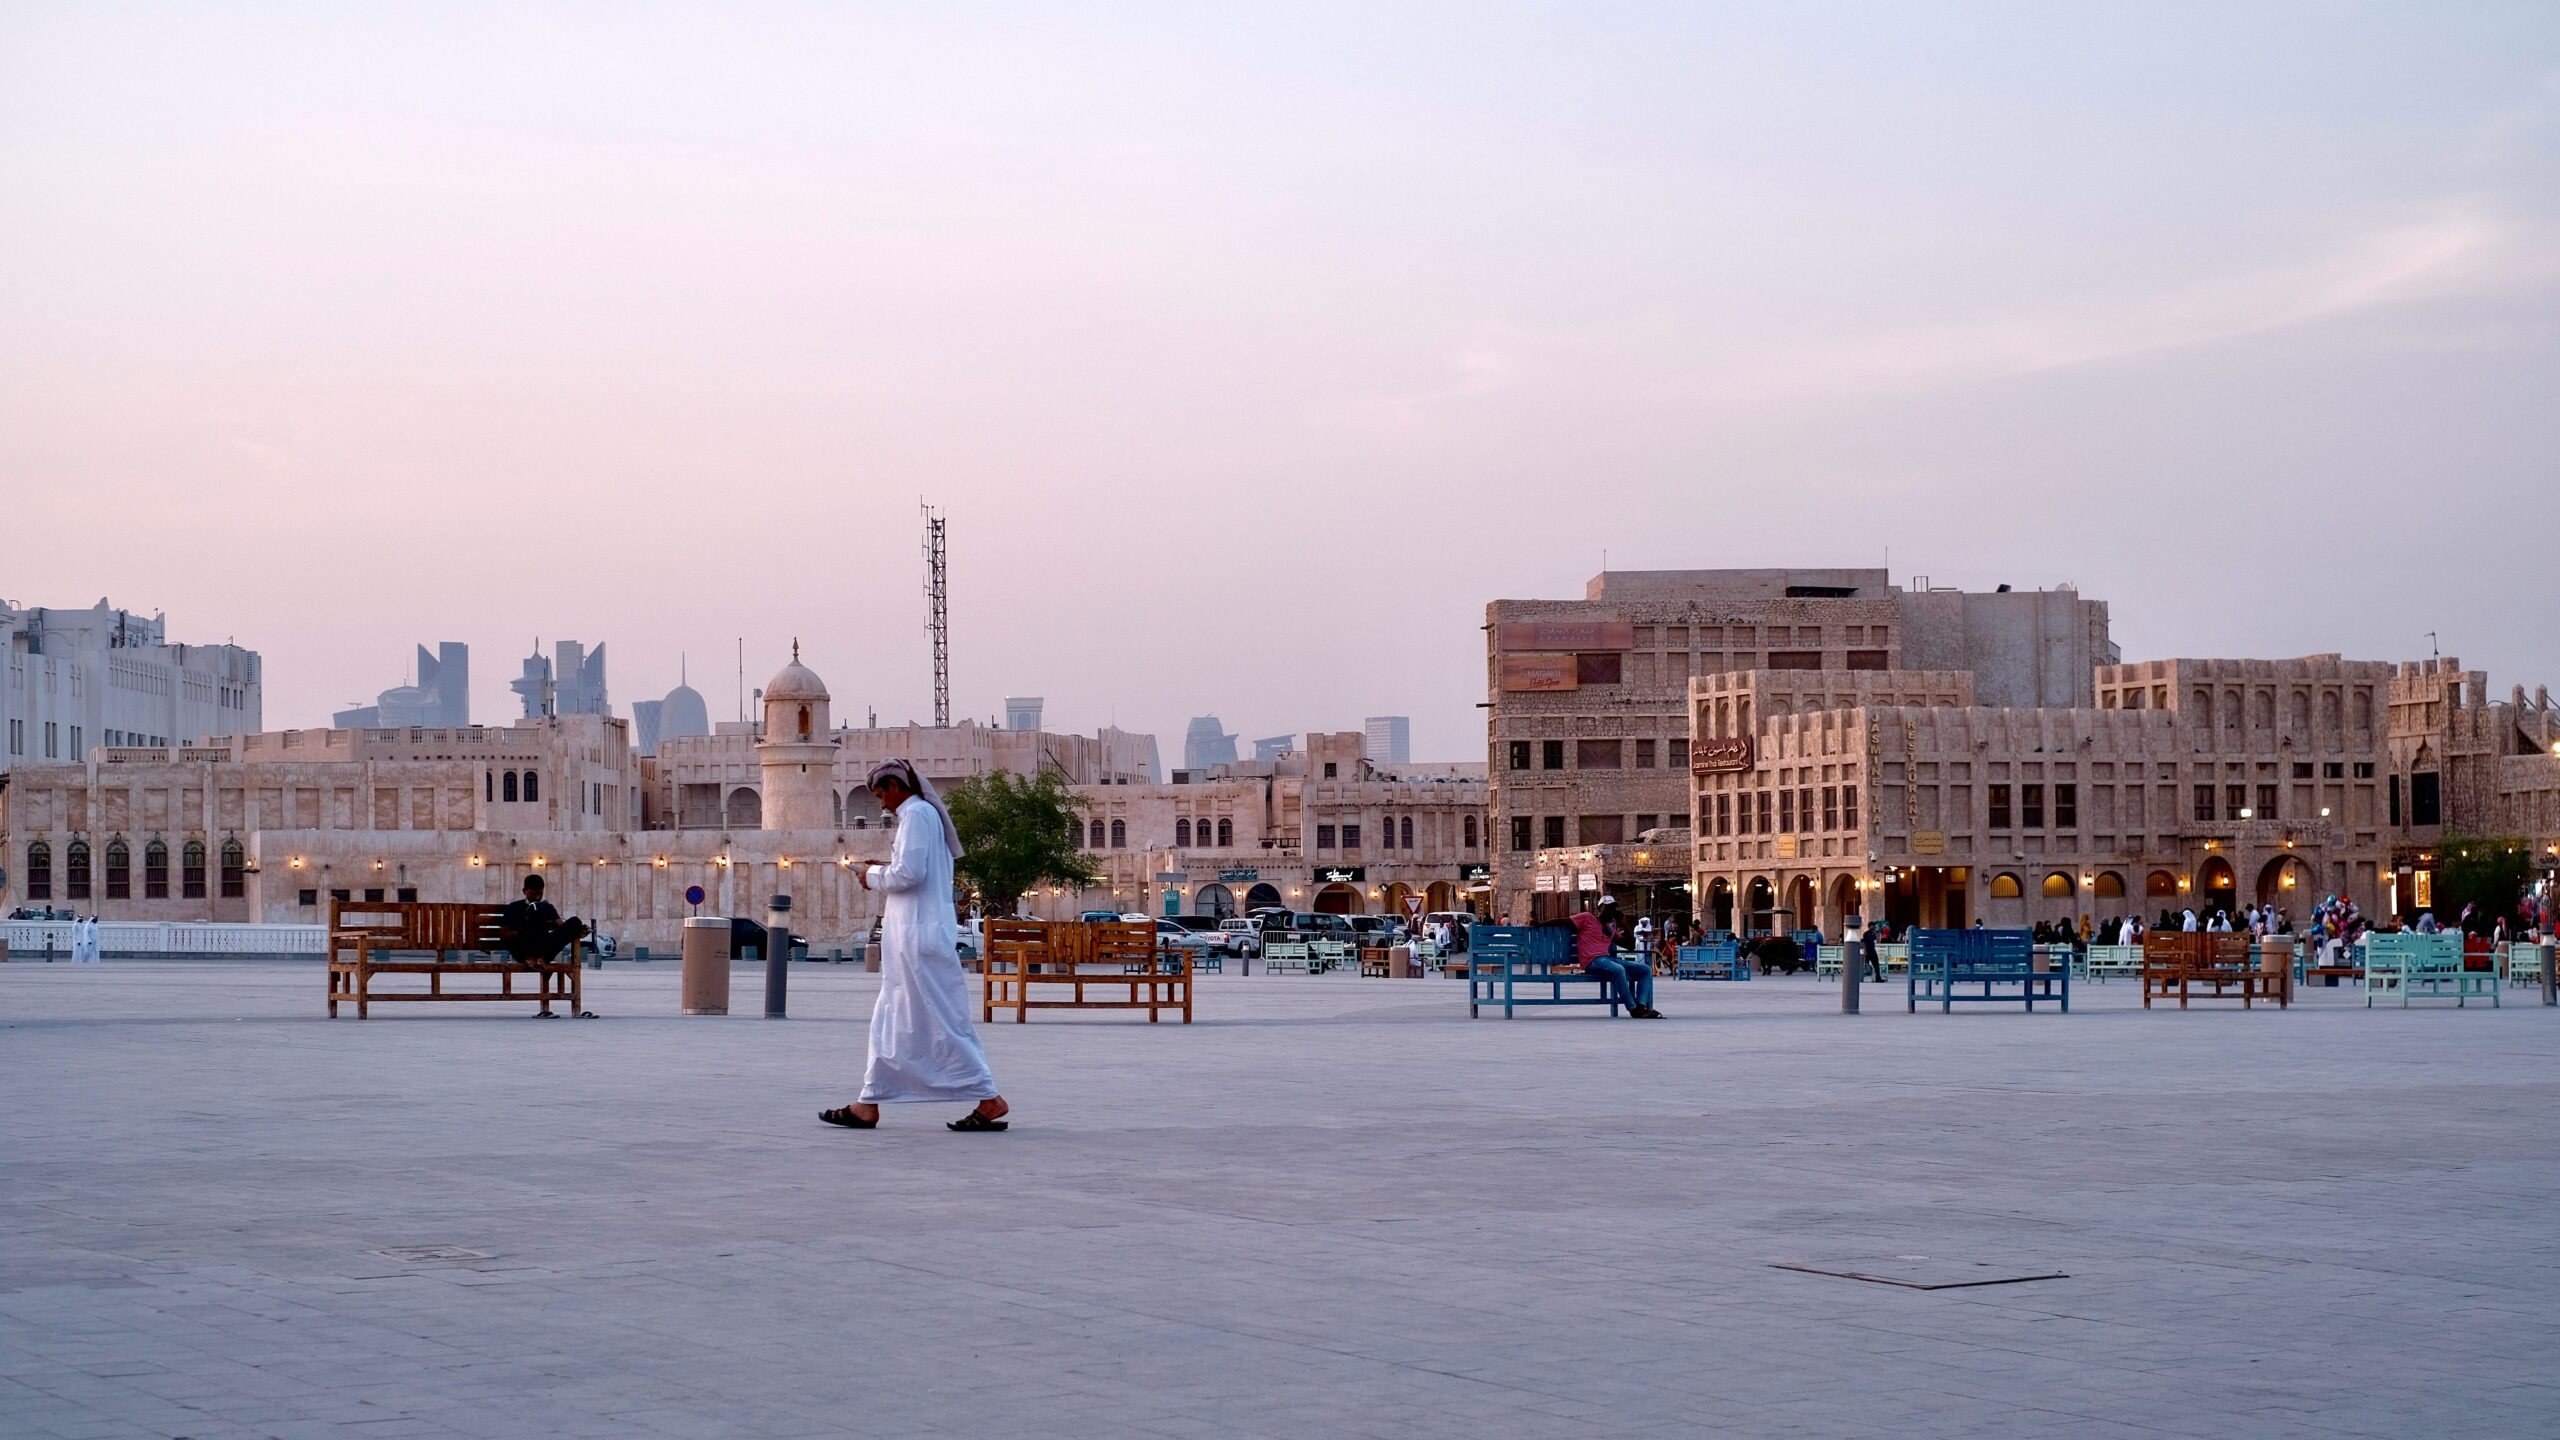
pixel 937 595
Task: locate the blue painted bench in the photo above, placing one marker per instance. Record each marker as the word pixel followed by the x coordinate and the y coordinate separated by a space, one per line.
pixel 2423 967
pixel 2000 964
pixel 1719 960
pixel 1506 960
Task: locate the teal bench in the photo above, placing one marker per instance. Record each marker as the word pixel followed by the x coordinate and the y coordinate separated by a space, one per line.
pixel 1976 967
pixel 2112 962
pixel 1720 960
pixel 1504 961
pixel 1279 957
pixel 2423 967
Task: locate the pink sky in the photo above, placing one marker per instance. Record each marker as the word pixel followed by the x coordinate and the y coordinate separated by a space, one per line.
pixel 1252 351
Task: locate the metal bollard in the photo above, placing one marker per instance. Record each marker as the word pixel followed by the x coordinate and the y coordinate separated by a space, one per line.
pixel 2550 982
pixel 1853 969
pixel 777 956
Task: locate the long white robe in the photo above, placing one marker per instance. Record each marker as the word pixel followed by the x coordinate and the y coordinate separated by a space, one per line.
pixel 923 1046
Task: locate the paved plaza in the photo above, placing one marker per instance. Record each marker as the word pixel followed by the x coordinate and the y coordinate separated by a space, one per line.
pixel 1332 1207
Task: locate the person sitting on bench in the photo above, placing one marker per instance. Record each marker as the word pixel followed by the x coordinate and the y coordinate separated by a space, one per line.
pixel 532 931
pixel 1595 939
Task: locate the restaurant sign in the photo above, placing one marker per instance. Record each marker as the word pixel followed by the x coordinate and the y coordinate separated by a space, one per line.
pixel 1928 842
pixel 1538 673
pixel 1721 756
pixel 1475 873
pixel 1341 874
pixel 1235 877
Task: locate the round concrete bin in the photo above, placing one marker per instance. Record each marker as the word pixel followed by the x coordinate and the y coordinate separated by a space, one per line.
pixel 706 965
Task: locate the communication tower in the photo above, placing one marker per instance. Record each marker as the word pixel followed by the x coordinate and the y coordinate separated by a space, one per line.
pixel 937 597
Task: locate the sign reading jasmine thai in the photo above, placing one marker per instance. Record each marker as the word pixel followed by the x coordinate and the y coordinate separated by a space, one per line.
pixel 1720 756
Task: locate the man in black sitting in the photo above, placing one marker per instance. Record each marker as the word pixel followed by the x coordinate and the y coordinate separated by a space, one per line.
pixel 532 931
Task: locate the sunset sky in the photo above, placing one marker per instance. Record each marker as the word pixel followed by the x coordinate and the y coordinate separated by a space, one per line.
pixel 1250 351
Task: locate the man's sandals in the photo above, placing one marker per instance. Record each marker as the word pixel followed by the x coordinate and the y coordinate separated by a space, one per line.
pixel 843 1115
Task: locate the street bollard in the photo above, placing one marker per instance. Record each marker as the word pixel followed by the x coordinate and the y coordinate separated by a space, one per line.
pixel 2550 982
pixel 777 956
pixel 1852 970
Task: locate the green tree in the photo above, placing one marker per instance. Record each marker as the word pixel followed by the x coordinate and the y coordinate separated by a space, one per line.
pixel 2486 871
pixel 1019 833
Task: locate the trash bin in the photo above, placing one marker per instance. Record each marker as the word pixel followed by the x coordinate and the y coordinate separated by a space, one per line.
pixel 706 965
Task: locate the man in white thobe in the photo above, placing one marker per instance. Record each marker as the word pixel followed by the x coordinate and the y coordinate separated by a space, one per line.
pixel 923 1046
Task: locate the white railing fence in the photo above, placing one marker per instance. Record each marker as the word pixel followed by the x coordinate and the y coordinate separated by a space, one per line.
pixel 31 939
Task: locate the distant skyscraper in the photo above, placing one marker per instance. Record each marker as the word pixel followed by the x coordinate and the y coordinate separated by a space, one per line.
pixel 570 684
pixel 441 696
pixel 1390 739
pixel 1022 712
pixel 644 725
pixel 1206 743
pixel 1275 747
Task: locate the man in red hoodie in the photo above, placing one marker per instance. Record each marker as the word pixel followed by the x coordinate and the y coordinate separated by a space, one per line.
pixel 1595 941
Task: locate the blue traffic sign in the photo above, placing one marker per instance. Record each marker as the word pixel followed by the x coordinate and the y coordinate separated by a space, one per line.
pixel 693 895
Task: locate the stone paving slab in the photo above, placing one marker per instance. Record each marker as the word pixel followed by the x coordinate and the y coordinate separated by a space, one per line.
pixel 1333 1207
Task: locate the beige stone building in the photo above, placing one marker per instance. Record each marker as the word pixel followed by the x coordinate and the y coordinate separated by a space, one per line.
pixel 1588 727
pixel 2211 783
pixel 1325 828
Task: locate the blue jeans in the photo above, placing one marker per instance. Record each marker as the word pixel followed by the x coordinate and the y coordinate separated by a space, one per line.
pixel 1632 978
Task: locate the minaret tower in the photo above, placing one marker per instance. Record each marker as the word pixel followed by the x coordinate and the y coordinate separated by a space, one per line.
pixel 798 750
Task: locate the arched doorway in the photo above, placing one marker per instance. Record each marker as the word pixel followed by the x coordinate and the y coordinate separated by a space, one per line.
pixel 1215 901
pixel 1396 895
pixel 2221 889
pixel 1800 904
pixel 1338 900
pixel 1262 897
pixel 2160 885
pixel 1440 898
pixel 745 810
pixel 2284 882
pixel 1844 903
pixel 1720 904
pixel 1759 904
pixel 2006 909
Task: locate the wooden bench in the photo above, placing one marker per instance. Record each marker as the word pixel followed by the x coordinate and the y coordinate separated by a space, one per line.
pixel 1944 963
pixel 1505 959
pixel 2209 965
pixel 1080 957
pixel 366 936
pixel 2112 962
pixel 2424 967
pixel 1719 960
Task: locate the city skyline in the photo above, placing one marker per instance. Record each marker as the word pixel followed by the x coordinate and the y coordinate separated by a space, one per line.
pixel 2231 312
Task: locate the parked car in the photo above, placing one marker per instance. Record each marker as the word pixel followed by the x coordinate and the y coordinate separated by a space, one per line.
pixel 1243 936
pixel 1374 929
pixel 1317 926
pixel 747 935
pixel 1100 917
pixel 1172 936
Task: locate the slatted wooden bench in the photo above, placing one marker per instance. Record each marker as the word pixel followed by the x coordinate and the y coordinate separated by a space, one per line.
pixel 1721 960
pixel 1080 965
pixel 1945 964
pixel 2209 965
pixel 367 939
pixel 1507 959
pixel 2424 967
pixel 2523 962
pixel 1332 954
pixel 1279 957
pixel 2112 962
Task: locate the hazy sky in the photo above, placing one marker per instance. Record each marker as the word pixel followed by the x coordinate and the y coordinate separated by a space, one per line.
pixel 1251 351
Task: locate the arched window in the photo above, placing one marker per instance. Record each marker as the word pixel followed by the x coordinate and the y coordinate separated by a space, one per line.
pixel 488 784
pixel 2159 884
pixel 804 722
pixel 2230 709
pixel 1119 834
pixel 2329 710
pixel 1182 833
pixel 2266 710
pixel 1094 840
pixel 2057 886
pixel 2301 711
pixel 235 870
pixel 75 871
pixel 1407 842
pixel 2202 703
pixel 191 871
pixel 1471 831
pixel 119 871
pixel 39 871
pixel 2110 885
pixel 508 791
pixel 1226 833
pixel 2006 887
pixel 155 871
pixel 532 787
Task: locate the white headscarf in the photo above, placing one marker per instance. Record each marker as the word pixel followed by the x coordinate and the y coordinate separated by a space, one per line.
pixel 923 790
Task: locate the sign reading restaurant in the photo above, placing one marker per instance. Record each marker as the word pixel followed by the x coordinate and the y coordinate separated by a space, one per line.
pixel 1720 756
pixel 1342 874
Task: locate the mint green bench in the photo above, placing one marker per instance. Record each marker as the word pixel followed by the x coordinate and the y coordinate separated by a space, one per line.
pixel 2423 967
pixel 2113 962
